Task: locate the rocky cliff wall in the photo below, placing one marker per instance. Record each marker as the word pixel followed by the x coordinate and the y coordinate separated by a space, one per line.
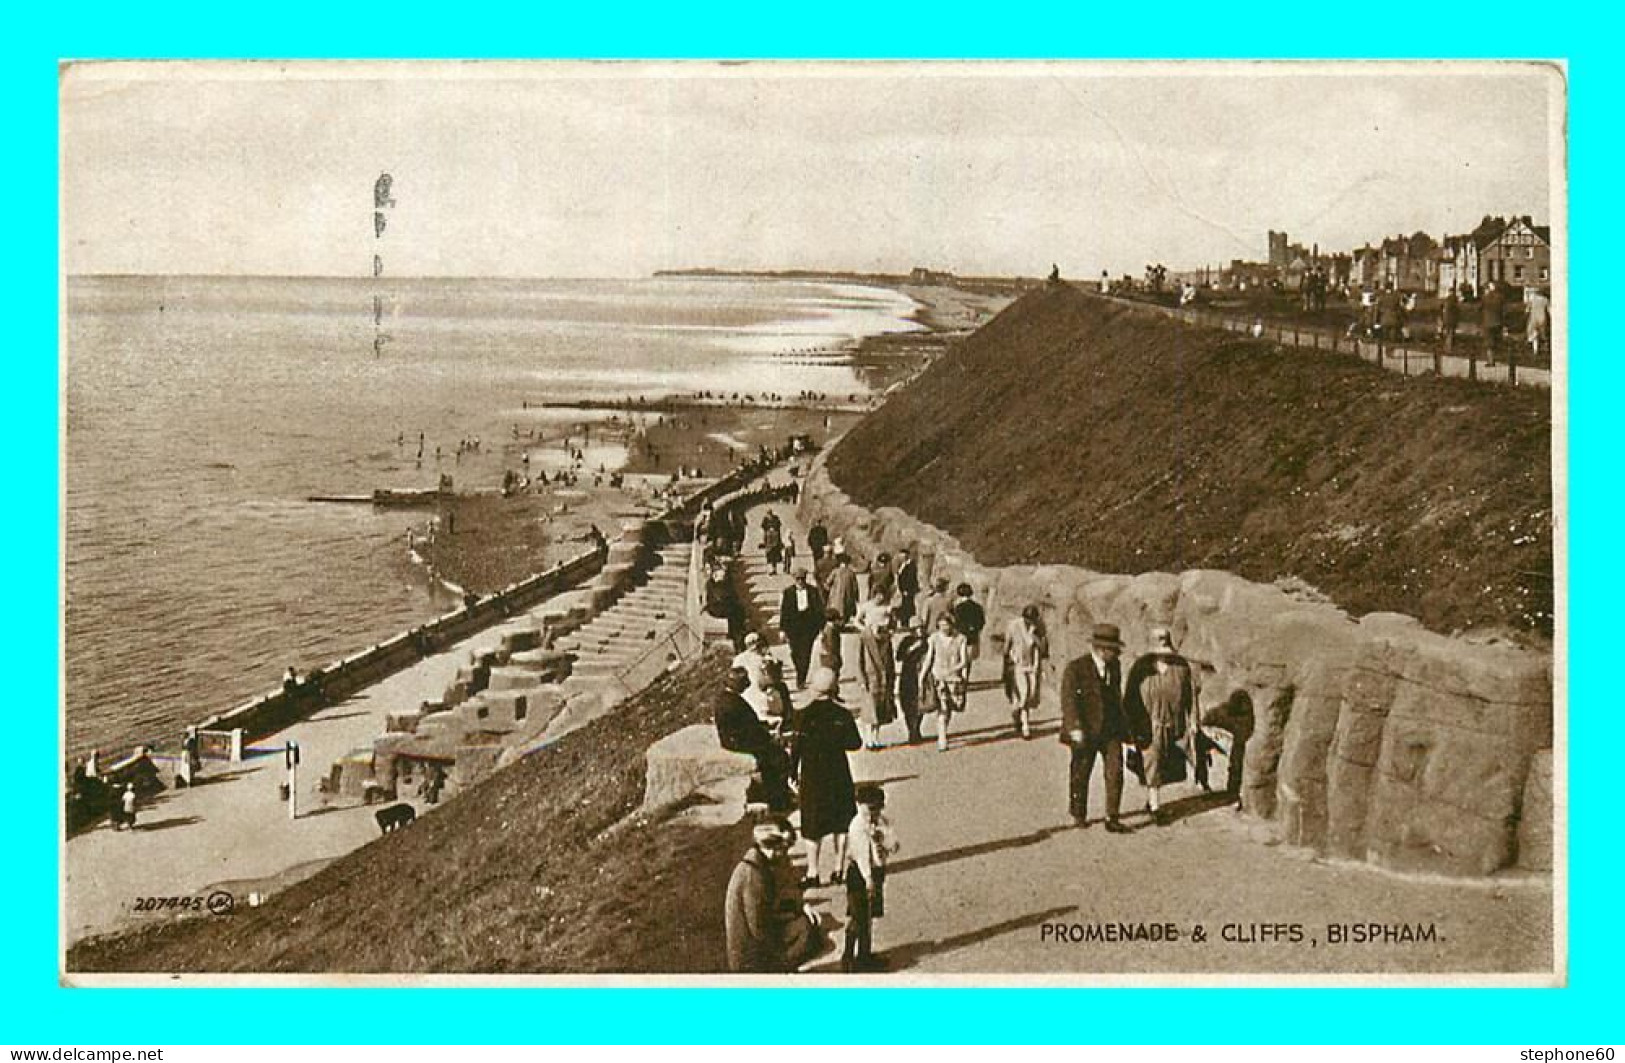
pixel 1375 738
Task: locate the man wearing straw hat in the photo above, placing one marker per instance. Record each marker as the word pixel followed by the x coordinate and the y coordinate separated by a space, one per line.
pixel 1092 723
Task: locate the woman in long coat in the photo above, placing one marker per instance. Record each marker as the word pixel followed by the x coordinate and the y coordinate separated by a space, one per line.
pixel 876 668
pixel 825 733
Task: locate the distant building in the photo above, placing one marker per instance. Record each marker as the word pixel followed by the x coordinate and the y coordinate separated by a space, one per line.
pixel 1458 263
pixel 1365 267
pixel 1513 251
pixel 1279 255
pixel 1409 263
pixel 1249 274
pixel 1519 255
pixel 921 275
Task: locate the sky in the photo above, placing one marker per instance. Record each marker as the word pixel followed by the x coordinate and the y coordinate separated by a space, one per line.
pixel 620 169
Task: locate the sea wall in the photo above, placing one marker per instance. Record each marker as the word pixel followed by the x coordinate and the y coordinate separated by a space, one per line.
pixel 279 708
pixel 1375 739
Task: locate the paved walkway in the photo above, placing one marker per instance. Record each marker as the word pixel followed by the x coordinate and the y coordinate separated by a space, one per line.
pixel 233 828
pixel 1399 358
pixel 990 859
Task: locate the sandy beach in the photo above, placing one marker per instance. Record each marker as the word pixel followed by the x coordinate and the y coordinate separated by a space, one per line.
pixel 498 539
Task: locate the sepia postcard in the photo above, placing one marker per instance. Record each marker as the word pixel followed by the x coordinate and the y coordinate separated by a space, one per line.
pixel 804 523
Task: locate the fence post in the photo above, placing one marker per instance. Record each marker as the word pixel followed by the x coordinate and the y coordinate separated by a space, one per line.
pixel 1512 365
pixel 1438 362
pixel 1472 364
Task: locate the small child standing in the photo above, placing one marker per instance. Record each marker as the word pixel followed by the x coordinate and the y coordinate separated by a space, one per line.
pixel 869 845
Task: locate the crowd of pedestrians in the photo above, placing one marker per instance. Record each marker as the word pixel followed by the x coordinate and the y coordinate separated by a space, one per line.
pixel 912 655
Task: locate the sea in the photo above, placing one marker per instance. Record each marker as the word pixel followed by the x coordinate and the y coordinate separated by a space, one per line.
pixel 201 412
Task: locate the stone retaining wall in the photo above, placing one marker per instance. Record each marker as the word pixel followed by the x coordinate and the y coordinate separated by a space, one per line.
pixel 277 709
pixel 1375 738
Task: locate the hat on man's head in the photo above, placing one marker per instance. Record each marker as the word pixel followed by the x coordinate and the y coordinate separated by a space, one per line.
pixel 941 583
pixel 752 639
pixel 1106 636
pixel 1162 641
pixel 772 827
pixel 799 572
pixel 824 681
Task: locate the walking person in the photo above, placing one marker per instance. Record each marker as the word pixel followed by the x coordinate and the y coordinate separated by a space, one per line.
pixel 126 808
pixel 827 649
pixel 937 605
pixel 877 669
pixel 1540 320
pixel 1026 647
pixel 841 592
pixel 1390 316
pixel 825 734
pixel 1449 319
pixel 773 541
pixel 1159 705
pixel 908 585
pixel 947 669
pixel 870 845
pixel 191 761
pixel 969 620
pixel 1492 308
pixel 817 540
pixel 801 617
pixel 882 580
pixel 908 655
pixel 1092 724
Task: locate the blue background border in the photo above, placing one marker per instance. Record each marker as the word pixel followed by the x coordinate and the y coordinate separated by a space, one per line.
pixel 36 1010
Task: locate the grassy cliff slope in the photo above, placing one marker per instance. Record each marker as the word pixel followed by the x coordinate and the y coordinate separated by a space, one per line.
pixel 1070 430
pixel 541 868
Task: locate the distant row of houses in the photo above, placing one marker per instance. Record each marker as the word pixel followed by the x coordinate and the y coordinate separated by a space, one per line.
pixel 1509 251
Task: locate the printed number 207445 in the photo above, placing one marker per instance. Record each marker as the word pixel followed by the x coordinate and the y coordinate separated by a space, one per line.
pixel 169 904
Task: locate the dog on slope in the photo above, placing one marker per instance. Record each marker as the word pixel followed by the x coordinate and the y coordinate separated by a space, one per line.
pixel 395 817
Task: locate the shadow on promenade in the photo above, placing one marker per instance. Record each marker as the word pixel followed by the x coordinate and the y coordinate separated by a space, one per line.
pixel 966 852
pixel 904 956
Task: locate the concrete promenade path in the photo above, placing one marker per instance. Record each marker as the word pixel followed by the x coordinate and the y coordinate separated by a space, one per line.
pixel 993 878
pixel 232 830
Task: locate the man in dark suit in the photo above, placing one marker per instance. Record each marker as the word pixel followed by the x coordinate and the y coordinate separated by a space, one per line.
pixel 908 585
pixel 1092 723
pixel 740 730
pixel 801 617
